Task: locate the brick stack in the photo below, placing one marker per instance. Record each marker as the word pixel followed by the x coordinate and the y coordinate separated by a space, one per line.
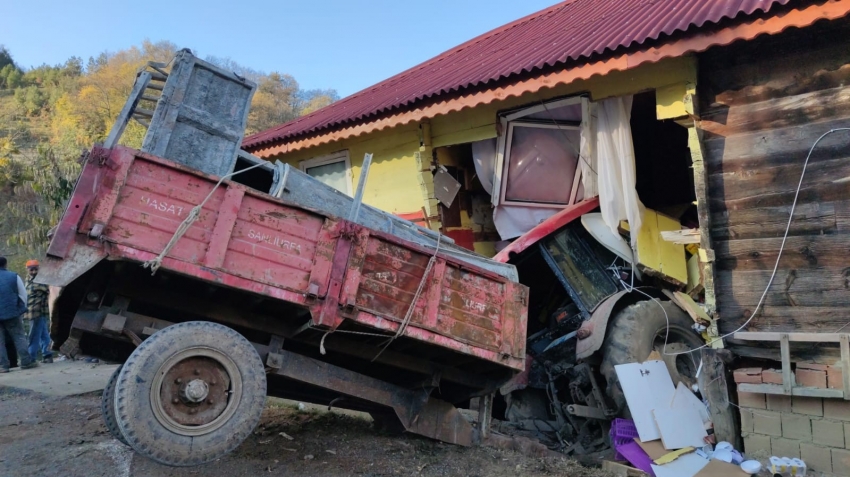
pixel 816 430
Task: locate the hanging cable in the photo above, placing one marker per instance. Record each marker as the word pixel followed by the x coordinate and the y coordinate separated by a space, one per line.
pixel 775 266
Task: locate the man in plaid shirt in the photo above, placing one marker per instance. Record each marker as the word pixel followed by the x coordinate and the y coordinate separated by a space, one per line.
pixel 38 314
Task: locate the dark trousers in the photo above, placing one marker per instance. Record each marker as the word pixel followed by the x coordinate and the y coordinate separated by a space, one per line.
pixel 14 327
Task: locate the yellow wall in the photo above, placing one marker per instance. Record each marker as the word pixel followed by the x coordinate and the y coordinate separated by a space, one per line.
pixel 392 184
pixel 399 178
pixel 670 77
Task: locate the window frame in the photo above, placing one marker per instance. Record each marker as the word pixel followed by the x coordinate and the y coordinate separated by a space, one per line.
pixel 333 158
pixel 509 120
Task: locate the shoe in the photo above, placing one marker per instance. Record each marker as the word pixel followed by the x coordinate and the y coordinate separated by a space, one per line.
pixel 47 360
pixel 34 364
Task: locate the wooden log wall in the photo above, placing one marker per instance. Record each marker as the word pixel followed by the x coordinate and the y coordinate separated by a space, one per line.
pixel 762 105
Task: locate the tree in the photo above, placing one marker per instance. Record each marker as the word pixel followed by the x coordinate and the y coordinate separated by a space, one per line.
pixel 5 57
pixel 275 102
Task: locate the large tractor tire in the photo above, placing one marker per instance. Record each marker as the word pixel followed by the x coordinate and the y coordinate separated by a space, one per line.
pixel 639 329
pixel 107 407
pixel 190 393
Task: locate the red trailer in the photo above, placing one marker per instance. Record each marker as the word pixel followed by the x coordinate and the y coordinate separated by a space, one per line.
pixel 331 311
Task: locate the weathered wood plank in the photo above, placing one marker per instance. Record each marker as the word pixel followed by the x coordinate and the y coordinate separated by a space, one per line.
pixel 785 357
pixel 786 281
pixel 813 217
pixel 779 112
pixel 815 319
pixel 744 152
pixel 795 391
pixel 822 354
pixel 781 181
pixel 713 384
pixel 797 61
pixel 814 250
pixel 795 337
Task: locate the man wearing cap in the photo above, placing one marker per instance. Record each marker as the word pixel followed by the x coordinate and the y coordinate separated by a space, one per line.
pixel 13 303
pixel 38 314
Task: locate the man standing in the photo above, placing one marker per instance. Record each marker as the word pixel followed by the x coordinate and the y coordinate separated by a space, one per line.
pixel 38 315
pixel 13 299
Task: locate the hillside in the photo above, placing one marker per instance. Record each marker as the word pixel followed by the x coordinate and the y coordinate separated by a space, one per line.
pixel 50 114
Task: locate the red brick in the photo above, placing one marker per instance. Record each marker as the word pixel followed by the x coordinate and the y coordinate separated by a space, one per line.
pixel 771 376
pixel 834 377
pixel 748 375
pixel 811 378
pixel 813 366
pixel 752 400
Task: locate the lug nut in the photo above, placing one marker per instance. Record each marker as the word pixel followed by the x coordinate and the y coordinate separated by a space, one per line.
pixel 212 383
pixel 210 401
pixel 178 380
pixel 193 411
pixel 175 401
pixel 197 372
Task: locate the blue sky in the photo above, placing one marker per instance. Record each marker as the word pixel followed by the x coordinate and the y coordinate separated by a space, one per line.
pixel 346 45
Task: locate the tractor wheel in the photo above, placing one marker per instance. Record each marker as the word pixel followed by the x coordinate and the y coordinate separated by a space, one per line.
pixel 639 329
pixel 107 407
pixel 190 393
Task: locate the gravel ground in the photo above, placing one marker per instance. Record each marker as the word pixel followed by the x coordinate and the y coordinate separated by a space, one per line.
pixel 48 436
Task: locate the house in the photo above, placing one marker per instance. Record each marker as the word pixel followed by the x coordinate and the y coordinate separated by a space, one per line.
pixel 719 103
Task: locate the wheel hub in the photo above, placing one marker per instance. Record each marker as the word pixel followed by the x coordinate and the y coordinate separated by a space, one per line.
pixel 193 392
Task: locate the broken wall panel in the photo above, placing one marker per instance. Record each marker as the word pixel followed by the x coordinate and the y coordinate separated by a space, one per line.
pixel 762 106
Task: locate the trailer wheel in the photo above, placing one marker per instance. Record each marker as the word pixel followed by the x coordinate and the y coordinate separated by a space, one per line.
pixel 107 407
pixel 641 328
pixel 190 393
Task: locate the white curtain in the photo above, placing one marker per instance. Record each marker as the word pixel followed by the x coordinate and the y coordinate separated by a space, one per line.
pixel 484 157
pixel 615 165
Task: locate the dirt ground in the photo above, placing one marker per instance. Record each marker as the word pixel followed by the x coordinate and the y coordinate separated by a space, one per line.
pixel 50 436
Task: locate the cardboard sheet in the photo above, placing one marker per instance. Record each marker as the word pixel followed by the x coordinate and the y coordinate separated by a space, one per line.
pixel 686 466
pixel 718 468
pixel 647 386
pixel 654 449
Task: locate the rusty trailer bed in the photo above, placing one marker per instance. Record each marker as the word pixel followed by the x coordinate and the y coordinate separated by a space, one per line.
pixel 127 206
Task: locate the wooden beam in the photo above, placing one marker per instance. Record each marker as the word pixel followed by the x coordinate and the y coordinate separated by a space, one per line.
pixel 845 364
pixel 713 383
pixel 785 350
pixel 704 215
pixel 777 336
pixel 795 391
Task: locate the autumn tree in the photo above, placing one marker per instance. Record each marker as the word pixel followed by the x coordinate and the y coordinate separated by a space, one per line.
pixel 49 114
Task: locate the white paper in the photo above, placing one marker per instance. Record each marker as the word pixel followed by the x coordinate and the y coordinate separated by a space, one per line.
pixel 647 386
pixel 683 397
pixel 680 428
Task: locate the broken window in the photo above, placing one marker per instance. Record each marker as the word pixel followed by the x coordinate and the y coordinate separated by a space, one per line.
pixel 538 155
